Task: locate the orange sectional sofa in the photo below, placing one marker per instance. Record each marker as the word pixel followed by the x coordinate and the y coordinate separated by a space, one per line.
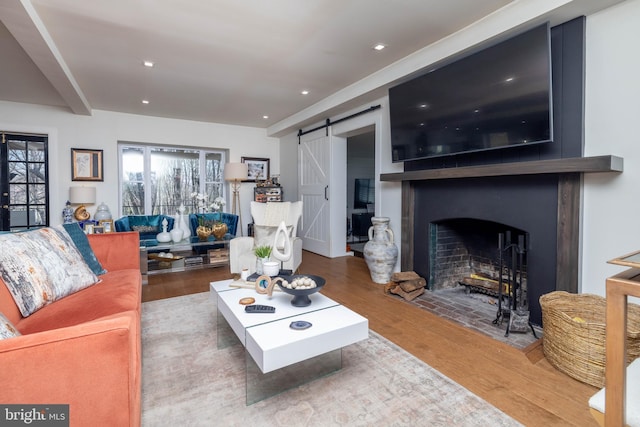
pixel 83 350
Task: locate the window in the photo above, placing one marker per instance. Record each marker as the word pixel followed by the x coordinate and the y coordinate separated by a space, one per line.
pixel 24 184
pixel 157 180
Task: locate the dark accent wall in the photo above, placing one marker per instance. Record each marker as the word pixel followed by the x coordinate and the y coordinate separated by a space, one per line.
pixel 567 68
pixel 527 202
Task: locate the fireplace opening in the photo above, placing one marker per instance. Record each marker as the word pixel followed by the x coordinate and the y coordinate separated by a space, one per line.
pixel 468 251
pixel 483 257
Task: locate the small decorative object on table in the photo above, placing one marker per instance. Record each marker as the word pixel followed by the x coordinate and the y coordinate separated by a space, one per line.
pixel 262 254
pixel 177 233
pixel 219 228
pixel 67 213
pixel 301 286
pixel 102 212
pixel 183 222
pixel 203 233
pixel 271 268
pixel 164 236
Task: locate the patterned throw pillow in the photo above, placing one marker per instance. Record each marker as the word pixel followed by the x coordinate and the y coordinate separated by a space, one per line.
pixel 41 266
pixel 7 330
pixel 83 245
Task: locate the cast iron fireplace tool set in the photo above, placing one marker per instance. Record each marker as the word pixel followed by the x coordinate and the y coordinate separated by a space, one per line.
pixel 511 256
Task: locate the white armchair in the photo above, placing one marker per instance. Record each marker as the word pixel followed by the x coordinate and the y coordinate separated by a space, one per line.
pixel 266 218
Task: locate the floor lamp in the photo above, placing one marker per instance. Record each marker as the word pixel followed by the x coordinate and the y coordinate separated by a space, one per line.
pixel 236 173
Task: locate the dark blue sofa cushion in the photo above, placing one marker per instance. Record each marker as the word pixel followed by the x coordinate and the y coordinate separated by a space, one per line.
pixel 147 225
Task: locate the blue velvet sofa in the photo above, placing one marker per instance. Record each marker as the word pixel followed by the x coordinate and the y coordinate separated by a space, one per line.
pixel 232 225
pixel 230 219
pixel 148 226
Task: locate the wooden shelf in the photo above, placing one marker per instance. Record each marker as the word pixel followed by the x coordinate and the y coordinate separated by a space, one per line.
pixel 578 164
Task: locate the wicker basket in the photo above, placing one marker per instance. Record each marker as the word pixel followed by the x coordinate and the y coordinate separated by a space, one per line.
pixel 574 334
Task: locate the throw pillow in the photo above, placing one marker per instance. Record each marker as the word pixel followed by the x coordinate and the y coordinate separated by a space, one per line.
pixel 264 235
pixel 41 266
pixel 7 330
pixel 146 223
pixel 83 245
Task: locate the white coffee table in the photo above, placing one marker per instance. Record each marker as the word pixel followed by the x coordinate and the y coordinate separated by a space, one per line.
pixel 277 356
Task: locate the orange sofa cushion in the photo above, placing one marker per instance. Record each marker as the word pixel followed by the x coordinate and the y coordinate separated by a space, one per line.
pixel 118 292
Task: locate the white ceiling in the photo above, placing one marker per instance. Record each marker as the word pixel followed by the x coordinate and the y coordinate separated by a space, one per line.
pixel 217 61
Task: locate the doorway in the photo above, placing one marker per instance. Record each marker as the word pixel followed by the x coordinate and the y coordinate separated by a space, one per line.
pixel 24 182
pixel 361 184
pixel 322 182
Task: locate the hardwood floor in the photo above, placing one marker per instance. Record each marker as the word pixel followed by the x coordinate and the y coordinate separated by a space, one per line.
pixel 520 383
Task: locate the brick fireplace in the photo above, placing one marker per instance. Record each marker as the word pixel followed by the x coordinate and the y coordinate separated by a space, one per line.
pixel 465 250
pixel 480 208
pixel 541 198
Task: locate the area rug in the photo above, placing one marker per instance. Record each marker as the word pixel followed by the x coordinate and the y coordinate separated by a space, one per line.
pixel 188 381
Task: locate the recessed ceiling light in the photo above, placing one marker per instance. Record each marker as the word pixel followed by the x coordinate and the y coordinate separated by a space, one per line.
pixel 149 64
pixel 265 117
pixel 379 46
pixel 145 101
pixel 305 92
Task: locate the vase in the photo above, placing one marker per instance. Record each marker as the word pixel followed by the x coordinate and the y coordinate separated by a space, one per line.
pixel 102 212
pixel 164 236
pixel 203 233
pixel 259 262
pixel 67 213
pixel 176 235
pixel 219 230
pixel 380 252
pixel 183 223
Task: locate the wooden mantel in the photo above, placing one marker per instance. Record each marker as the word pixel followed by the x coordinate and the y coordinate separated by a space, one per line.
pixel 577 164
pixel 569 173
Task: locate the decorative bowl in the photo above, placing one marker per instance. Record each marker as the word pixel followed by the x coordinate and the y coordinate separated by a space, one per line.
pixel 301 296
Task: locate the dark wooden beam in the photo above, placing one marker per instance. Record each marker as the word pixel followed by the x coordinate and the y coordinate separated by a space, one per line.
pixel 568 241
pixel 578 164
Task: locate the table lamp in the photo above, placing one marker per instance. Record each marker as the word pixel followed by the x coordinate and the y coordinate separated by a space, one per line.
pixel 236 173
pixel 82 196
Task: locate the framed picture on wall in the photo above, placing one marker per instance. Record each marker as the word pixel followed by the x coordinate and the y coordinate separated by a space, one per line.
pixel 86 165
pixel 258 168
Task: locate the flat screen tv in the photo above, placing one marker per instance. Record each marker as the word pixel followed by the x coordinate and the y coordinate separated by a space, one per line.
pixel 495 98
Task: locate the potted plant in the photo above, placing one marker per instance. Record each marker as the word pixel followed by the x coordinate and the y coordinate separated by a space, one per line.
pixel 262 254
pixel 219 228
pixel 204 229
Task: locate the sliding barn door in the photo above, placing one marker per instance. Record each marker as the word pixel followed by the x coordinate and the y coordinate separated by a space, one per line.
pixel 314 162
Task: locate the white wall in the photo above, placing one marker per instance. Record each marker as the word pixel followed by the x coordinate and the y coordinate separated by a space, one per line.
pixel 611 225
pixel 104 129
pixel 611 201
pixel 388 194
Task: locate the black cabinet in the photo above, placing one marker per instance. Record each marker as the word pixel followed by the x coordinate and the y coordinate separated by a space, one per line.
pixel 361 223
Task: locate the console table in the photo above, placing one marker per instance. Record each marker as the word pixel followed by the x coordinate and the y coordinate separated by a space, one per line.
pixel 188 254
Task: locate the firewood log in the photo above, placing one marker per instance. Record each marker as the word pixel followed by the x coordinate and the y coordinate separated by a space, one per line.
pixel 409 296
pixel 389 286
pixel 401 276
pixel 413 284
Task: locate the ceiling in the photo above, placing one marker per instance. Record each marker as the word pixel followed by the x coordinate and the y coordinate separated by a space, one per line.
pixel 229 62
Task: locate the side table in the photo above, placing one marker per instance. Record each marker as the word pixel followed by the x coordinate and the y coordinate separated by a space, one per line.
pixel 619 287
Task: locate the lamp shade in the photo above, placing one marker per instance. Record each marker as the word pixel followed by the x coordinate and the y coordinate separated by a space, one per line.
pixel 236 172
pixel 82 195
